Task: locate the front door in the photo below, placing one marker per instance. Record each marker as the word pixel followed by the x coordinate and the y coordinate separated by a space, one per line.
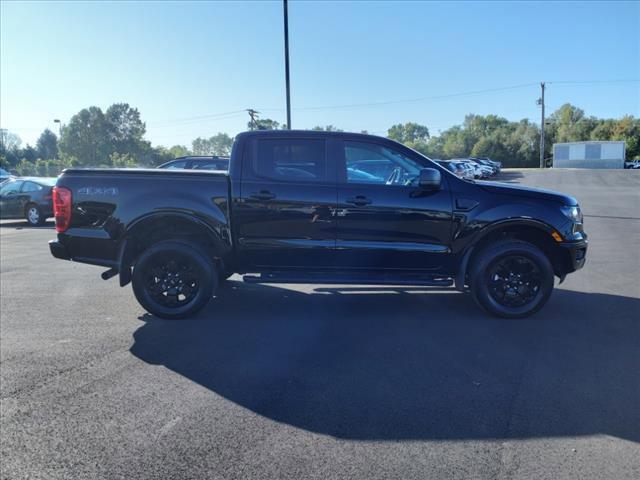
pixel 10 199
pixel 285 218
pixel 384 222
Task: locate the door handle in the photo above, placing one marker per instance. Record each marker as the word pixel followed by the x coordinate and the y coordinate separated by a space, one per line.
pixel 359 200
pixel 263 195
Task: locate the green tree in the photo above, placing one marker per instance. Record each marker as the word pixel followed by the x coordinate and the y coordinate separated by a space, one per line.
pixel 122 160
pixel 264 124
pixel 26 168
pixel 10 147
pixel 569 124
pixel 179 151
pixel 628 129
pixel 409 132
pixel 86 137
pixel 47 145
pixel 413 135
pixel 125 130
pixel 29 153
pixel 218 144
pixel 4 163
pixel 326 128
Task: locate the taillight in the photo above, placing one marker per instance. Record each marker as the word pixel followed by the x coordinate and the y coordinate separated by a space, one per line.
pixel 62 208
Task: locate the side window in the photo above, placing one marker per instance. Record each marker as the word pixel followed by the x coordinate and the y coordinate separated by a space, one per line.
pixel 11 188
pixel 212 165
pixel 31 187
pixel 292 160
pixel 378 165
pixel 176 165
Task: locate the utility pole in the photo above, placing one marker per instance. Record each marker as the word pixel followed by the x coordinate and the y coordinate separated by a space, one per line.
pixel 253 114
pixel 542 165
pixel 286 61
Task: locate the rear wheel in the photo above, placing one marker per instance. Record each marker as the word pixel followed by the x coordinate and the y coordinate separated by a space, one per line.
pixel 174 279
pixel 511 279
pixel 34 216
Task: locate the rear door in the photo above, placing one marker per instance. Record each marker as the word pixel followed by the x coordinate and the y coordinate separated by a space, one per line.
pixel 384 222
pixel 285 218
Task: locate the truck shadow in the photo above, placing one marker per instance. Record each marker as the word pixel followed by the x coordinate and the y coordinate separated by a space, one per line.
pixel 377 363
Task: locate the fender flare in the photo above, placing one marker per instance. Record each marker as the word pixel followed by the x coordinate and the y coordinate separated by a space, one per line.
pixel 127 247
pixel 488 230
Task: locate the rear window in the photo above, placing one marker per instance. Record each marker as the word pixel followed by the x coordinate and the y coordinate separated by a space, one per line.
pixel 293 160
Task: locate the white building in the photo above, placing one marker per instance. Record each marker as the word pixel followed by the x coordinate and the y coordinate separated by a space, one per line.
pixel 589 155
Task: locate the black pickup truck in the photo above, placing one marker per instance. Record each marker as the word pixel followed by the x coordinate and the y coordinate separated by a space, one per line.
pixel 317 207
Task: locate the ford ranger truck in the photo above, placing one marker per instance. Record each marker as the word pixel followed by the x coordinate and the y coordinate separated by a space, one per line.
pixel 317 207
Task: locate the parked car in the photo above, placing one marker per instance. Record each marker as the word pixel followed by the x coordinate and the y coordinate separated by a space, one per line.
pixel 289 211
pixel 27 197
pixel 472 171
pixel 633 164
pixel 479 170
pixel 486 163
pixel 456 168
pixel 4 176
pixel 198 163
pixel 493 163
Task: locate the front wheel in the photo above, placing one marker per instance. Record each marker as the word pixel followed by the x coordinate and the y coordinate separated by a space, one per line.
pixel 511 279
pixel 174 279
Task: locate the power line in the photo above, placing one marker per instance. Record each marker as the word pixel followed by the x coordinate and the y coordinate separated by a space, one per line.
pixel 212 116
pixel 411 100
pixel 591 82
pixel 187 120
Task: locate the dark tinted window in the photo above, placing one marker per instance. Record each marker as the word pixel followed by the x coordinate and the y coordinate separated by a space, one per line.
pixel 293 160
pixel 176 165
pixel 211 165
pixel 11 188
pixel 31 187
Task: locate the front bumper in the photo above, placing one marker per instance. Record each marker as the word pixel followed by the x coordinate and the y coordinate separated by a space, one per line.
pixel 58 250
pixel 575 254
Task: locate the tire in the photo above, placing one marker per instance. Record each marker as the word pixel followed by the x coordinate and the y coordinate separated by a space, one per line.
pixel 170 270
pixel 511 279
pixel 34 216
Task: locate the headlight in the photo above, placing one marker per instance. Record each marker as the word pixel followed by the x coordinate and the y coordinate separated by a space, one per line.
pixel 572 213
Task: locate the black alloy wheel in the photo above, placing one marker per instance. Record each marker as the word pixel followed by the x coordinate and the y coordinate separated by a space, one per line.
pixel 511 278
pixel 514 280
pixel 174 279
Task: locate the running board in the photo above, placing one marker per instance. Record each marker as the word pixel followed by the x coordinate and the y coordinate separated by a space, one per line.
pixel 349 279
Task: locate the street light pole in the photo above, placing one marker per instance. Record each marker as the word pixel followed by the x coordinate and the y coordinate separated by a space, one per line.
pixel 286 61
pixel 542 128
pixel 57 120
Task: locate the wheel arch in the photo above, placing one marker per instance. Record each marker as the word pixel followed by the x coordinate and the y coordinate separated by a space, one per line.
pixel 533 231
pixel 169 225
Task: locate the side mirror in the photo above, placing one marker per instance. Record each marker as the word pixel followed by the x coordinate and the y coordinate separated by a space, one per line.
pixel 430 179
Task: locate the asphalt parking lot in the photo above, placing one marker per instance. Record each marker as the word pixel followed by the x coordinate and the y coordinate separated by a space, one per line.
pixel 326 382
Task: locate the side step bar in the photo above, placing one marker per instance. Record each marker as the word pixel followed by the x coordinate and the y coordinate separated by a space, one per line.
pixel 344 279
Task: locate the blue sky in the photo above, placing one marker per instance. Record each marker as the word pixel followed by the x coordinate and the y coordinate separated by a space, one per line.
pixel 182 64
